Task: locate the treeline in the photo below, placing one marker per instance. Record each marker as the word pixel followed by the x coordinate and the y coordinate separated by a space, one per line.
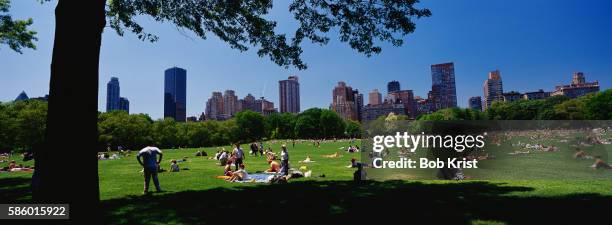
pixel 22 127
pixel 589 107
pixel 22 123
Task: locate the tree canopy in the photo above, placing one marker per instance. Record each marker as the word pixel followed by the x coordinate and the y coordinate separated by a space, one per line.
pixel 15 33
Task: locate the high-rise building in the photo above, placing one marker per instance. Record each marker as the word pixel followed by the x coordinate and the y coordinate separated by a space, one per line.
pixel 493 89
pixel 289 95
pixel 393 86
pixel 124 104
pixel 578 87
pixel 113 95
pixel 358 103
pixel 175 94
pixel 374 97
pixel 444 91
pixel 214 107
pixel 405 97
pixel 344 103
pixel 230 103
pixel 248 102
pixel 475 103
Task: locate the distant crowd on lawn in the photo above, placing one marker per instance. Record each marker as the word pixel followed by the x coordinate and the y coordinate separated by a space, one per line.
pixel 234 169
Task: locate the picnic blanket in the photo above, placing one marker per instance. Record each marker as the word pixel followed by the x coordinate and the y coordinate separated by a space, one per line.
pixel 257 178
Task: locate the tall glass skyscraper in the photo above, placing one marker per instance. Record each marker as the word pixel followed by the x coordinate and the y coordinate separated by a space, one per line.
pixel 289 95
pixel 393 86
pixel 443 88
pixel 175 93
pixel 112 95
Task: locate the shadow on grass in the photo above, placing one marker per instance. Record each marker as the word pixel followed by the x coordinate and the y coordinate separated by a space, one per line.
pixel 15 190
pixel 339 202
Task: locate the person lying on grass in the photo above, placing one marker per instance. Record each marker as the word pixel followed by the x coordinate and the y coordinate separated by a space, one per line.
pixel 335 155
pixel 581 154
pixel 239 175
pixel 600 164
pixel 307 160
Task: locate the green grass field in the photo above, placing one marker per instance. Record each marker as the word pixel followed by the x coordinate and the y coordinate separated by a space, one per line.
pixel 194 196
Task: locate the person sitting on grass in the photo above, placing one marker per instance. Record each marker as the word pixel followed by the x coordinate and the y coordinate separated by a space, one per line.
pixel 274 166
pixel 239 175
pixel 174 167
pixel 600 164
pixel 227 171
pixel 150 163
pixel 223 158
pixel 12 165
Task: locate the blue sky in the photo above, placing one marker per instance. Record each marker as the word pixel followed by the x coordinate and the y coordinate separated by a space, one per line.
pixel 534 43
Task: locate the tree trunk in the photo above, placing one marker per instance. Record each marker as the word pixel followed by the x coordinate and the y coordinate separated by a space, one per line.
pixel 66 167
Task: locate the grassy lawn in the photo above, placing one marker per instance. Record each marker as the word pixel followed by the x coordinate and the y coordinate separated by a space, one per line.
pixel 194 196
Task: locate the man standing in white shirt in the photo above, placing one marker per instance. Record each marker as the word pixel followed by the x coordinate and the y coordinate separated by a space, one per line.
pixel 149 164
pixel 239 154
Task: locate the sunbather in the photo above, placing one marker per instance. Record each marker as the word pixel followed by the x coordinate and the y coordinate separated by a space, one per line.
pixel 335 155
pixel 228 171
pixel 274 166
pixel 307 160
pixel 600 164
pixel 239 175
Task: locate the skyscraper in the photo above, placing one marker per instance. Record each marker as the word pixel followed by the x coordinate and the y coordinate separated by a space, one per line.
pixel 475 103
pixel 214 107
pixel 230 103
pixel 124 104
pixel 358 103
pixel 344 102
pixel 444 91
pixel 493 89
pixel 175 94
pixel 393 86
pixel 289 95
pixel 113 95
pixel 374 97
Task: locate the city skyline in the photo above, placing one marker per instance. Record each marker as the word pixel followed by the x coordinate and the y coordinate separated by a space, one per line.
pixel 535 45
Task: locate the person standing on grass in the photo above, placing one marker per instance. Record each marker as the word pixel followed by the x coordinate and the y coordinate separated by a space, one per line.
pixel 254 149
pixel 239 154
pixel 284 161
pixel 149 164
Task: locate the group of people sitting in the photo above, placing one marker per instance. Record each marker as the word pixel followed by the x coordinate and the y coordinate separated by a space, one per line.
pixel 240 174
pixel 107 156
pixel 14 167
